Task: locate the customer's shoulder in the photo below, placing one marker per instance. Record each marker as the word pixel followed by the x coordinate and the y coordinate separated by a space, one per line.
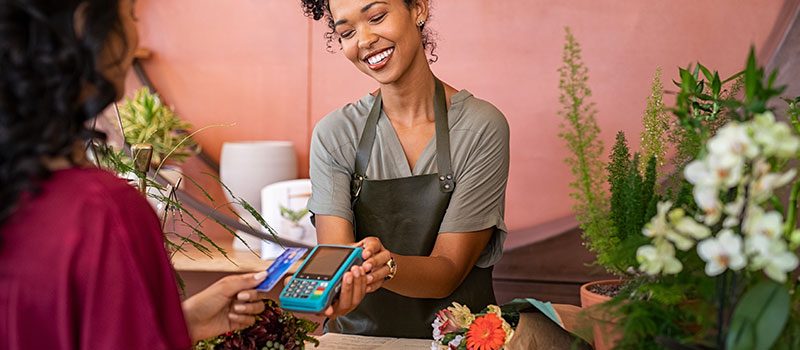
pixel 92 185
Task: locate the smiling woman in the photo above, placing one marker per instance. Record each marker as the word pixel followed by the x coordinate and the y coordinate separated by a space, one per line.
pixel 318 9
pixel 415 173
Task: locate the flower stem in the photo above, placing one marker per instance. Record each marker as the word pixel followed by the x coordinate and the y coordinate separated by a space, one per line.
pixel 791 216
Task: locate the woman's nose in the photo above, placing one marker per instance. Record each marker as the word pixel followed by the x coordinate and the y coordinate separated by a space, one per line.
pixel 366 39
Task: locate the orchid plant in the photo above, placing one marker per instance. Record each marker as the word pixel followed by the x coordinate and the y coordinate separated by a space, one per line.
pixel 728 246
pixel 740 160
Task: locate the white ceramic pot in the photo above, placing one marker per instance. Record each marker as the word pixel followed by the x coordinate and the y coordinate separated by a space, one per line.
pixel 246 167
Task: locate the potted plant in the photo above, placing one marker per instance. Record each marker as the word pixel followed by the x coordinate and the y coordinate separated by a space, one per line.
pixel 146 119
pixel 715 250
pixel 274 328
pixel 296 231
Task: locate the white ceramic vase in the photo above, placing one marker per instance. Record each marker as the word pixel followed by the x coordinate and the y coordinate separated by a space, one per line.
pixel 246 167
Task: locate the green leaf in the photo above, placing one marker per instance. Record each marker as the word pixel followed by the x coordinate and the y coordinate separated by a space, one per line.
pixel 706 72
pixel 751 79
pixel 733 77
pixel 760 317
pixel 716 85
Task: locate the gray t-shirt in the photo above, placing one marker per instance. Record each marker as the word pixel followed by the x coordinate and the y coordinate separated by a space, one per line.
pixel 478 144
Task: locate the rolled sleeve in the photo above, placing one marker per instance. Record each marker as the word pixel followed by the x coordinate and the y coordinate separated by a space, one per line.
pixel 330 176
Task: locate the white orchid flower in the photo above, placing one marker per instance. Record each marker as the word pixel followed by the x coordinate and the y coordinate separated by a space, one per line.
pixel 734 139
pixel 768 224
pixel 727 167
pixel 722 252
pixel 659 258
pixel 688 226
pixel 732 211
pixel 698 173
pixel 772 256
pixel 775 138
pixel 658 224
pixel 707 198
pixel 765 185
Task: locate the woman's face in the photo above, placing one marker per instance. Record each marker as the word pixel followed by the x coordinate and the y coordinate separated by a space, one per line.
pixel 380 37
pixel 117 58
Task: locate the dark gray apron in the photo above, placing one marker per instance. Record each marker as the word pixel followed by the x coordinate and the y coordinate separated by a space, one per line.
pixel 405 214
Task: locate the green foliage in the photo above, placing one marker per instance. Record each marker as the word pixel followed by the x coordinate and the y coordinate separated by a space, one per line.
pixel 690 307
pixel 656 124
pixel 581 134
pixel 633 202
pixel 145 119
pixel 293 215
pixel 702 107
pixel 759 317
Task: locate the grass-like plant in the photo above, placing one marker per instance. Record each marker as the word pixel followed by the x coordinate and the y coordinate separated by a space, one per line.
pixel 146 119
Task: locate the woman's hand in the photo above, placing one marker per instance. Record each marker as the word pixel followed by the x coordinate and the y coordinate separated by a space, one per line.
pixel 227 305
pixel 354 287
pixel 375 258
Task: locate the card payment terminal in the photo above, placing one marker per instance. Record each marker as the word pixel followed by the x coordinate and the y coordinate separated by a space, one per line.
pixel 319 279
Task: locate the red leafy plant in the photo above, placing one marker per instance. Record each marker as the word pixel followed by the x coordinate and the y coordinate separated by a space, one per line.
pixel 275 329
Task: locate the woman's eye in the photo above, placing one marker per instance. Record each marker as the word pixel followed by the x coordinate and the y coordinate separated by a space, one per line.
pixel 347 34
pixel 378 18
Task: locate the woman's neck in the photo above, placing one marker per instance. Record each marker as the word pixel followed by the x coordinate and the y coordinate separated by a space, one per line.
pixel 409 100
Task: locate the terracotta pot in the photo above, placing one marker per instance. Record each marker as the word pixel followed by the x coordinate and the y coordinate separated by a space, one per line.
pixel 603 326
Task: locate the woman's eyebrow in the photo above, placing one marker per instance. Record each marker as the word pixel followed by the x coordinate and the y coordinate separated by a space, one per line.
pixel 363 9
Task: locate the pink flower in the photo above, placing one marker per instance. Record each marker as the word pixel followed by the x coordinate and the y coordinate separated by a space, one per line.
pixel 448 324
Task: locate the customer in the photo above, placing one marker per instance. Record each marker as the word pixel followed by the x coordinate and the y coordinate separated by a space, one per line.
pixel 415 172
pixel 82 258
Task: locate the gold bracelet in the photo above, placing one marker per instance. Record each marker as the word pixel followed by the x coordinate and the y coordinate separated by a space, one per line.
pixel 392 268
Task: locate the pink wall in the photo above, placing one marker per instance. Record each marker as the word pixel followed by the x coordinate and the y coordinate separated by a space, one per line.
pixel 263 65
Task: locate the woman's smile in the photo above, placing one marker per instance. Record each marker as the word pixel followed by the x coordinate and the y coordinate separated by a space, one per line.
pixel 379 59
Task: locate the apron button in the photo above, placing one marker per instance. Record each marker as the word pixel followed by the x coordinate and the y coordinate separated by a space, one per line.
pixel 441 178
pixel 446 186
pixel 449 176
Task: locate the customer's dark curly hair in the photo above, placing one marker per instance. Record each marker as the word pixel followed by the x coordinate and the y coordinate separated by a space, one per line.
pixel 44 71
pixel 320 9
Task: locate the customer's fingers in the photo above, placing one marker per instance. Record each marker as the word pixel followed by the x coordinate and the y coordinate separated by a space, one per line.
pixel 233 284
pixel 251 308
pixel 239 321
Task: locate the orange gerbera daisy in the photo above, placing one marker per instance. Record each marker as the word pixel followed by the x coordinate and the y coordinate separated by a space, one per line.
pixel 486 333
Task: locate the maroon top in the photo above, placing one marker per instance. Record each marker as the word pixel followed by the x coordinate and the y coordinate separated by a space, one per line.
pixel 83 266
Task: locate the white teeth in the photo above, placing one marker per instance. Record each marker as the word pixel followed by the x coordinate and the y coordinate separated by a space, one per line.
pixel 380 57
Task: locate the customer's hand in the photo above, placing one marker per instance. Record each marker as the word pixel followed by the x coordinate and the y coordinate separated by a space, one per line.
pixel 375 258
pixel 227 305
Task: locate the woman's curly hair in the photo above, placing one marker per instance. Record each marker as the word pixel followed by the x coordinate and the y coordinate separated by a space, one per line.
pixel 46 70
pixel 320 9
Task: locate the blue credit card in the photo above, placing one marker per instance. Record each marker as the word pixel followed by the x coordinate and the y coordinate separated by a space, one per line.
pixel 278 268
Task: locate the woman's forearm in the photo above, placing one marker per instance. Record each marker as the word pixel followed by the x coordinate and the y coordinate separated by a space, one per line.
pixel 424 277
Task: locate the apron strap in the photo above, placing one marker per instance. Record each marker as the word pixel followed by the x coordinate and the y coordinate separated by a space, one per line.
pixel 442 139
pixel 368 138
pixel 364 150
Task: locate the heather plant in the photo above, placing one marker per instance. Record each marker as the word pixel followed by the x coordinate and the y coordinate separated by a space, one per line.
pixel 581 134
pixel 656 125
